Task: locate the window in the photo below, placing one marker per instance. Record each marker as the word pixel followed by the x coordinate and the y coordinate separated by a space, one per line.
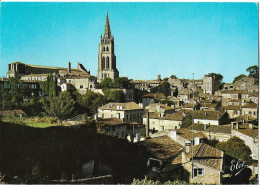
pixel 108 62
pixel 235 112
pixel 122 134
pixel 104 48
pixel 81 86
pixel 107 48
pixel 127 117
pixel 113 128
pixel 198 172
pixel 102 115
pixel 103 63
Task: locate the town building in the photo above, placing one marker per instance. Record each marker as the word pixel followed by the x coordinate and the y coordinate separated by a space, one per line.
pixel 156 121
pixel 152 98
pixel 211 117
pixel 132 131
pixel 251 109
pixel 127 112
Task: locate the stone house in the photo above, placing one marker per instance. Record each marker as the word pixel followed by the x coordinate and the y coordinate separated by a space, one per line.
pixel 213 132
pixel 161 108
pixel 208 85
pixel 244 83
pixel 253 97
pixel 210 106
pixel 184 135
pixel 251 109
pixel 184 96
pixel 81 83
pixel 233 111
pixel 249 134
pixel 190 106
pixel 151 98
pixel 160 151
pixel 232 94
pixel 127 112
pixel 207 165
pixel 228 86
pixel 116 127
pixel 158 121
pixel 34 77
pixel 211 117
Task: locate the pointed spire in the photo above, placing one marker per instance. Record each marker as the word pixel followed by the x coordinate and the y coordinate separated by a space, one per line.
pixel 107 31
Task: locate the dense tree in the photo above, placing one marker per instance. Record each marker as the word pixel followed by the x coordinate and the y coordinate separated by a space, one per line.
pixel 253 72
pixel 13 93
pixel 61 106
pixel 114 95
pixel 120 82
pixel 173 77
pixel 106 83
pixel 239 77
pixel 91 101
pixel 165 79
pixel 49 86
pixel 165 88
pixel 236 148
pixel 33 107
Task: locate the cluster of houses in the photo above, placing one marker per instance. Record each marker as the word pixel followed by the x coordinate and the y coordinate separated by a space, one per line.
pixel 164 131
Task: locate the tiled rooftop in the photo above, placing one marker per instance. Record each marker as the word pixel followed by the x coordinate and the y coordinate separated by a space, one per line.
pixel 121 106
pixel 162 147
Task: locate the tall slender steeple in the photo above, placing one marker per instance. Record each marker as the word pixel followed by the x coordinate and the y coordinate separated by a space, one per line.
pixel 107 31
pixel 106 56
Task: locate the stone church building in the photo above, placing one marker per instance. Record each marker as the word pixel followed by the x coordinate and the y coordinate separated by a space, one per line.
pixel 106 55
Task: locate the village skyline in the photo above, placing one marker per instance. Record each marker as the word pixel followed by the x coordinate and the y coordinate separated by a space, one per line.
pixel 150 38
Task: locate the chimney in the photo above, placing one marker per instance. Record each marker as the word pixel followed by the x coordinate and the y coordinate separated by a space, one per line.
pixel 205 127
pixel 250 125
pixel 69 67
pixel 197 140
pixel 147 125
pixel 237 126
pixel 187 147
pixel 173 135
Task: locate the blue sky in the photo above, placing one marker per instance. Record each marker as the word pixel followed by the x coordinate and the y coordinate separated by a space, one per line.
pixel 150 38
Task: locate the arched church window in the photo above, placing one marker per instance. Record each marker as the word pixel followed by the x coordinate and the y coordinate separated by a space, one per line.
pixel 103 62
pixel 107 48
pixel 107 62
pixel 104 48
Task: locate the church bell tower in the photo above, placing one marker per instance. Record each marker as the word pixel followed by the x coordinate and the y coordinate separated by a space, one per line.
pixel 106 55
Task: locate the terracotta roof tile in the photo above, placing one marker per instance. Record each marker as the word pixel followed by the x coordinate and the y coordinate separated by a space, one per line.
pixel 162 147
pixel 122 106
pixel 187 134
pixel 250 105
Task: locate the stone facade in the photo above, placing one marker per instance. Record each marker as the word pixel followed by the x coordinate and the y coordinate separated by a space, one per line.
pixel 127 112
pixel 106 55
